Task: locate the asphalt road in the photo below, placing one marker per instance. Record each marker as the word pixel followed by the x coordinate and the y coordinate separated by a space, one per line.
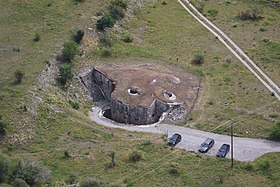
pixel 245 149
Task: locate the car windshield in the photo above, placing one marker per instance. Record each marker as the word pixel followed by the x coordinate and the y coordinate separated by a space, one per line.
pixel 204 145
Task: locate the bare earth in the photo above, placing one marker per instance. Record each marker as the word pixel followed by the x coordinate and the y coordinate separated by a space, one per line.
pixel 245 149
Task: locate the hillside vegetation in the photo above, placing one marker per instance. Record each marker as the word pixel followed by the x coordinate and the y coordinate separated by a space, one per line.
pixel 45 124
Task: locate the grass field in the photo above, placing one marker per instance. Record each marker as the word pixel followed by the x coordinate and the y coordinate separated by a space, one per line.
pixel 163 34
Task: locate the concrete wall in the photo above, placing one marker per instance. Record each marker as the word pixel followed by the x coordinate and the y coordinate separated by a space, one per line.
pixel 121 112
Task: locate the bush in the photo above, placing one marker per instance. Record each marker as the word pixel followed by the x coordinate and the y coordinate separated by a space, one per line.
pixel 67 154
pixel 90 183
pixel 69 51
pixel 31 172
pixel 120 3
pixel 19 183
pixel 3 168
pixel 74 105
pixel 65 74
pixel 263 166
pixel 105 21
pixel 253 14
pixel 116 12
pixel 37 38
pixel 135 156
pixel 106 53
pixel 212 12
pixel 275 131
pixel 105 40
pixel 199 58
pixel 247 166
pixel 128 38
pixel 3 126
pixel 19 76
pixel 79 36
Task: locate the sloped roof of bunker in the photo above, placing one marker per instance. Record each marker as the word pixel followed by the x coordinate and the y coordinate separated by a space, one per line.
pixel 139 85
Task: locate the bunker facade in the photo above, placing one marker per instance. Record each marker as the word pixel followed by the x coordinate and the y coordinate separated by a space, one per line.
pixel 141 94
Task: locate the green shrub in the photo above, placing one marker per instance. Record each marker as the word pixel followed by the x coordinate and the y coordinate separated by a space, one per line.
pixel 275 131
pixel 71 179
pixel 19 76
pixel 106 53
pixel 247 166
pixel 135 156
pixel 74 105
pixel 31 172
pixel 253 14
pixel 105 40
pixel 37 37
pixel 263 166
pixel 120 3
pixel 69 51
pixel 90 183
pixel 173 169
pixel 164 3
pixel 3 126
pixel 19 183
pixel 3 168
pixel 105 21
pixel 199 57
pixel 79 36
pixel 127 38
pixel 212 12
pixel 67 154
pixel 116 12
pixel 65 74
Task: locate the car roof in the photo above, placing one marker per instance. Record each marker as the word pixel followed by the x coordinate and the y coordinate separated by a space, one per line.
pixel 208 140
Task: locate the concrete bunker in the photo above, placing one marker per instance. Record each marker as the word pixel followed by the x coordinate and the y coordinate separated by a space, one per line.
pixel 140 94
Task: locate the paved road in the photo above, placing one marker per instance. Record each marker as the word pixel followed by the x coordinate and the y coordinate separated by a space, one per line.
pixel 235 50
pixel 245 149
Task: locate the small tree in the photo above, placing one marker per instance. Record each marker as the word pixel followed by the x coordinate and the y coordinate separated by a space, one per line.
pixel 199 57
pixel 116 12
pixel 135 156
pixel 65 74
pixel 275 131
pixel 19 76
pixel 37 37
pixel 79 36
pixel 90 183
pixel 30 172
pixel 2 128
pixel 3 168
pixel 69 51
pixel 120 3
pixel 19 183
pixel 105 21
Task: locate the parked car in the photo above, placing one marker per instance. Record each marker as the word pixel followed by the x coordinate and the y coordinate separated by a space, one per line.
pixel 206 145
pixel 223 150
pixel 175 139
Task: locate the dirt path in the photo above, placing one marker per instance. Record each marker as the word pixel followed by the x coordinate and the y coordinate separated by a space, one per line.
pixel 245 149
pixel 233 48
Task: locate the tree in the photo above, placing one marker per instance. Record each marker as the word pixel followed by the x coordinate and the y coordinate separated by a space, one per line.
pixel 19 183
pixel 104 22
pixel 120 3
pixel 3 168
pixel 79 36
pixel 65 74
pixel 199 57
pixel 69 51
pixel 90 183
pixel 275 131
pixel 31 172
pixel 116 12
pixel 19 76
pixel 3 126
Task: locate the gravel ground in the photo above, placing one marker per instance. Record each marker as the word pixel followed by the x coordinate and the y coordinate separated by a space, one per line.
pixel 245 149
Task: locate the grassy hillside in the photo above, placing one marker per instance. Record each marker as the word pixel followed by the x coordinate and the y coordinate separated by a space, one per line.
pixel 43 126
